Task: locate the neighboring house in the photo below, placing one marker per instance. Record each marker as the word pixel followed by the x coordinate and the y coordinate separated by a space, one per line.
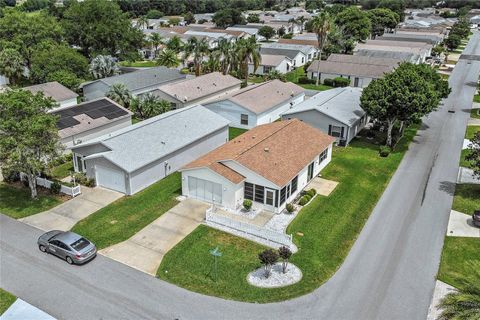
pixel 403 56
pixel 418 48
pixel 299 54
pixel 359 70
pixel 131 159
pixel 198 90
pixel 271 62
pixel 258 104
pixel 253 32
pixel 422 38
pixel 63 96
pixel 270 165
pixel 336 112
pixel 305 42
pixel 90 120
pixel 137 82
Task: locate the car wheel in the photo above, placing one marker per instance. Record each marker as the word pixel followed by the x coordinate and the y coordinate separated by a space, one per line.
pixel 69 260
pixel 42 248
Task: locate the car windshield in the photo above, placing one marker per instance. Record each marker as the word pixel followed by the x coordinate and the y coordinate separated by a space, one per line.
pixel 80 244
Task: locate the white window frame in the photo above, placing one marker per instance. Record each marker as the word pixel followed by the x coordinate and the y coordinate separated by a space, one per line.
pixel 335 133
pixel 242 119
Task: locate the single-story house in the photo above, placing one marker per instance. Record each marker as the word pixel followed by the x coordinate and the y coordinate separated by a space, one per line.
pixel 89 120
pixel 403 56
pixel 268 165
pixel 270 62
pixel 63 96
pixel 299 54
pixel 422 49
pixel 336 112
pixel 305 42
pixel 198 90
pixel 359 70
pixel 131 159
pixel 422 38
pixel 137 82
pixel 258 104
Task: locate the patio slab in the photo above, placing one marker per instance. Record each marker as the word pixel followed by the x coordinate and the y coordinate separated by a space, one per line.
pixel 323 186
pixel 460 225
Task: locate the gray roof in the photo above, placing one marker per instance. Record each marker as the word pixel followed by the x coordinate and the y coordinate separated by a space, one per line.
pixel 54 90
pixel 341 104
pixel 280 52
pixel 348 58
pixel 430 39
pixel 404 56
pixel 143 78
pixel 305 49
pixel 133 147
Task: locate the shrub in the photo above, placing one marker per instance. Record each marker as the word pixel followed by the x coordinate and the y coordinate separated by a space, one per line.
pixel 370 134
pixel 202 21
pixel 247 204
pixel 82 179
pixel 285 253
pixel 328 82
pixel 385 151
pixel 305 80
pixel 10 175
pixel 341 82
pixel 55 187
pixel 268 258
pixel 288 36
pixel 290 208
pixel 312 192
pixel 243 84
pixel 304 200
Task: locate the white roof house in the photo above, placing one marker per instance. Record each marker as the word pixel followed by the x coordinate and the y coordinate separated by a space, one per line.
pixel 270 62
pixel 63 96
pixel 336 112
pixel 130 159
pixel 299 54
pixel 258 104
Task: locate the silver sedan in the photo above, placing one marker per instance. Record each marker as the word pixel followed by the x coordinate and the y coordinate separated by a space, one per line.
pixel 68 246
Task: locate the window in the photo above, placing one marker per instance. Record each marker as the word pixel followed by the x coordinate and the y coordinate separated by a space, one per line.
pixel 294 184
pixel 244 119
pixel 303 59
pixel 248 191
pixel 288 191
pixel 259 193
pixel 267 69
pixel 322 156
pixel 282 195
pixel 336 131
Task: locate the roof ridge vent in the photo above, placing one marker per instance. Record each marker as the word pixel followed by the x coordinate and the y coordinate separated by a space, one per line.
pixel 266 149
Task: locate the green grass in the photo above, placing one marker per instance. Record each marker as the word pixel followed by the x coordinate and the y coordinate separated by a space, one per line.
pixel 471 130
pixel 326 224
pixel 475 113
pixel 457 251
pixel 256 79
pixel 476 98
pixel 294 75
pixel 139 64
pixel 320 87
pixel 444 76
pixel 467 198
pixel 6 300
pixel 63 170
pixel 17 203
pixel 235 132
pixel 463 162
pixel 123 218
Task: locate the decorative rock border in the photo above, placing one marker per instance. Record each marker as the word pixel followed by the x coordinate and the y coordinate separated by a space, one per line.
pixel 277 278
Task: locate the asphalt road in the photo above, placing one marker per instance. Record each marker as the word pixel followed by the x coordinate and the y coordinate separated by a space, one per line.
pixel 389 273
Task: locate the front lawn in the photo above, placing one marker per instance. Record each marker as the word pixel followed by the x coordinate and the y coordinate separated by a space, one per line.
pixel 123 218
pixel 326 225
pixel 235 132
pixel 6 300
pixel 476 98
pixel 471 130
pixel 63 170
pixel 463 162
pixel 310 86
pixel 17 203
pixel 475 113
pixel 457 251
pixel 467 198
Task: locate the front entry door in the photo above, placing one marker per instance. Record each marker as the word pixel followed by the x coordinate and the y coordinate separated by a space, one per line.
pixel 310 171
pixel 270 199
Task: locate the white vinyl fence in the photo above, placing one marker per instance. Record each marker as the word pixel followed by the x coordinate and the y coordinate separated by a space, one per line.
pixel 71 191
pixel 250 229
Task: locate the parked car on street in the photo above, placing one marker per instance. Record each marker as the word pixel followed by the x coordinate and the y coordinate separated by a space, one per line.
pixel 68 245
pixel 476 218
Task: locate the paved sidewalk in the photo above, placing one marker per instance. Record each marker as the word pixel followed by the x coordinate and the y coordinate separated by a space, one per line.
pixel 460 225
pixel 20 310
pixel 465 175
pixel 441 290
pixel 67 214
pixel 145 250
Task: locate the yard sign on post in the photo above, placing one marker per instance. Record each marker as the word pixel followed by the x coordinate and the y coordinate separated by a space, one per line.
pixel 215 253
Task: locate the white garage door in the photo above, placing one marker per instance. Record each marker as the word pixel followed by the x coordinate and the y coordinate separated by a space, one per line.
pixel 110 178
pixel 205 190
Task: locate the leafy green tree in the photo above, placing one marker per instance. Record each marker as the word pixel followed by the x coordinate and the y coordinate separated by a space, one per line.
pixel 66 78
pixel 285 253
pixel 248 52
pixel 321 25
pixel 154 14
pixel 28 134
pixel 464 302
pixel 103 66
pixel 175 44
pixel 189 18
pixel 148 106
pixel 453 41
pixel 402 95
pixel 228 55
pixel 120 94
pixel 355 23
pixel 168 58
pixel 228 17
pixel 173 21
pixel 253 18
pixel 91 25
pixel 438 50
pixel 155 40
pixel 34 5
pixel 267 32
pixel 142 23
pixel 397 6
pixel 213 62
pixel 12 65
pixel 474 155
pixel 382 19
pixel 50 58
pixel 196 50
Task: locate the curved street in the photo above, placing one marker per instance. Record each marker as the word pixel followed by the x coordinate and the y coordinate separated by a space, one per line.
pixel 389 273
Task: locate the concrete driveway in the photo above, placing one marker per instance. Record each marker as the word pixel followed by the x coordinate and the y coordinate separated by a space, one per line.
pixel 461 225
pixel 145 250
pixel 66 215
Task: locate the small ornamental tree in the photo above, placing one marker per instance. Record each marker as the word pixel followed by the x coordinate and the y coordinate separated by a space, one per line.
pixel 267 32
pixel 474 155
pixel 268 259
pixel 285 253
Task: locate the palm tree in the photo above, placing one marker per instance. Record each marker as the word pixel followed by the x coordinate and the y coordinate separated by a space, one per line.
pixel 175 44
pixel 301 22
pixel 464 303
pixel 227 50
pixel 197 50
pixel 120 94
pixel 213 62
pixel 248 52
pixel 168 58
pixel 322 24
pixel 156 41
pixel 142 22
pixel 104 66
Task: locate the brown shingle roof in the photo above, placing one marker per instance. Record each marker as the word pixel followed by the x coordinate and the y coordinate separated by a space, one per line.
pixel 345 68
pixel 54 90
pixel 299 41
pixel 277 151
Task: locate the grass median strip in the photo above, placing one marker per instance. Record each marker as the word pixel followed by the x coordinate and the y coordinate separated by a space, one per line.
pixel 471 130
pixel 467 198
pixel 6 300
pixel 329 226
pixel 123 218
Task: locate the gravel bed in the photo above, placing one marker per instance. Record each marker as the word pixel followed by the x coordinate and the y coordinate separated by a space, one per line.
pixel 277 277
